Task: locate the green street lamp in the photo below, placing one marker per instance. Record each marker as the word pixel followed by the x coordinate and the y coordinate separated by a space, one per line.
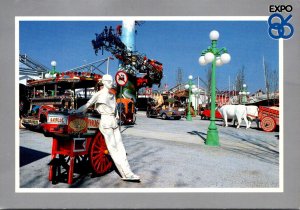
pixel 244 94
pixel 217 57
pixel 196 92
pixel 189 87
pixel 53 64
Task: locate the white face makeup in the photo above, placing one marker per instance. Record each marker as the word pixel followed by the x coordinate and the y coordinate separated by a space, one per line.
pixel 107 83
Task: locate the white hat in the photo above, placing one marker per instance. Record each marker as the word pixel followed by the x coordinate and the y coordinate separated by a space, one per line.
pixel 107 77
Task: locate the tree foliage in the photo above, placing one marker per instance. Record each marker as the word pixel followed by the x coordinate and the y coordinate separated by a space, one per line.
pixel 240 80
pixel 271 81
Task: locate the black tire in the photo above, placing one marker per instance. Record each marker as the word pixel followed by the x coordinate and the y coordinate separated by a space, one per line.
pixel 177 118
pixel 47 134
pixel 164 116
pixel 133 119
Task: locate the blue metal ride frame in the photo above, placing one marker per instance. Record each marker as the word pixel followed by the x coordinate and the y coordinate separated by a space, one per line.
pixel 132 61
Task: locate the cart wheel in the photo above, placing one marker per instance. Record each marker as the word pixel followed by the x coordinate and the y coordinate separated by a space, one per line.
pixel 268 124
pixel 100 160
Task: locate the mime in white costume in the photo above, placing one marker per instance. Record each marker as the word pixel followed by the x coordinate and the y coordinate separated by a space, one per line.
pixel 105 103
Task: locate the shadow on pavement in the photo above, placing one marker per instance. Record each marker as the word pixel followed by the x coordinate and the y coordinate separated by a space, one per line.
pixel 126 127
pixel 258 149
pixel 29 155
pixel 200 134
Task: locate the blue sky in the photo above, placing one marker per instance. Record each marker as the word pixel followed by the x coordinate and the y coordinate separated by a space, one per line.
pixel 176 44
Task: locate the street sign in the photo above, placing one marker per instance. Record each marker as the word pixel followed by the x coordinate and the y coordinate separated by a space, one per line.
pixel 121 78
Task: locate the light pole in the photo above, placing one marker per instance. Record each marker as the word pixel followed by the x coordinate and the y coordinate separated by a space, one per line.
pixel 196 92
pixel 244 94
pixel 53 64
pixel 218 57
pixel 189 87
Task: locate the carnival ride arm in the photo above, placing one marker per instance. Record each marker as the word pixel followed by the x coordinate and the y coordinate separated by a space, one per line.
pixel 112 43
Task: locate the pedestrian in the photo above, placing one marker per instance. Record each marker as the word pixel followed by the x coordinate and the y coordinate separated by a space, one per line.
pixel 106 105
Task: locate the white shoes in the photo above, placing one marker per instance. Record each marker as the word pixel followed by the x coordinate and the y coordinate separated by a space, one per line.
pixel 131 177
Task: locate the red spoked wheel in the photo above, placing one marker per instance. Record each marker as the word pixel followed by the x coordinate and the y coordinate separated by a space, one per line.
pixel 100 159
pixel 268 124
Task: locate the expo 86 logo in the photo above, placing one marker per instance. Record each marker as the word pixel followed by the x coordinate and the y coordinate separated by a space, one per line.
pixel 279 27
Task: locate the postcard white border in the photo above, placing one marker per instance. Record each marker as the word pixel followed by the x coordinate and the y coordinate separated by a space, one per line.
pixel 143 190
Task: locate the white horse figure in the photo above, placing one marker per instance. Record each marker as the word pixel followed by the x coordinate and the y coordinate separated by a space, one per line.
pixel 234 112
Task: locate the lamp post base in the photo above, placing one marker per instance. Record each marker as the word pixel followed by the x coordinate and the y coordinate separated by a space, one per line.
pixel 212 137
pixel 189 118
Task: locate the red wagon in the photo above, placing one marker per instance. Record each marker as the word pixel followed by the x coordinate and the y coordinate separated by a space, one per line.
pixel 268 117
pixel 77 147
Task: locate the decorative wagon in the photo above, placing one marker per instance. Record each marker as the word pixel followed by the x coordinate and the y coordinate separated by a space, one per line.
pixel 268 117
pixel 77 147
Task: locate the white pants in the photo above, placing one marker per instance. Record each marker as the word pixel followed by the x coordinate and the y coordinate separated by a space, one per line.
pixel 115 145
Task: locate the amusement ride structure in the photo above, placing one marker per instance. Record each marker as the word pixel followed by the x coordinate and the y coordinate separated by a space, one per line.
pixel 141 71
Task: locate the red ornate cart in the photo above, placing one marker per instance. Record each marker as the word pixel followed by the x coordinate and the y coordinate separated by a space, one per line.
pixel 77 147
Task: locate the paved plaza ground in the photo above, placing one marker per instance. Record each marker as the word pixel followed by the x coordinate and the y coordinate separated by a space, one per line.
pixel 171 154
